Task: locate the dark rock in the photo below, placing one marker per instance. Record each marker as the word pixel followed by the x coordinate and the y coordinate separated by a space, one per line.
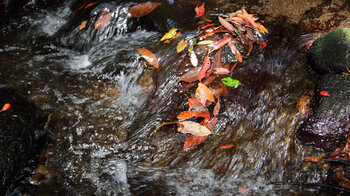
pixel 21 138
pixel 329 123
pixel 331 52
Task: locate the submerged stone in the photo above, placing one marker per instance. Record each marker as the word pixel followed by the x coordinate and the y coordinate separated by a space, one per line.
pixel 331 52
pixel 21 138
pixel 329 122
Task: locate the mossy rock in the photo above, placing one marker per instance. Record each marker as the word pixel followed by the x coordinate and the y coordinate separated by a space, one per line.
pixel 328 125
pixel 331 52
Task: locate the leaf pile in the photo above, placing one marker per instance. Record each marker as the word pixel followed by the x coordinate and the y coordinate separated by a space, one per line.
pixel 211 78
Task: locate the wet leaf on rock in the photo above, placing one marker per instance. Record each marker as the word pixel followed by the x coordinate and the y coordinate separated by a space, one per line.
pixel 186 115
pixel 103 21
pixel 231 82
pixel 149 56
pixel 143 9
pixel 181 45
pixel 6 107
pixel 82 25
pixel 199 10
pixel 203 93
pixel 193 141
pixel 193 128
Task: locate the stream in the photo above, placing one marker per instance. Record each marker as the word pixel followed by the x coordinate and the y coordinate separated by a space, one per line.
pixel 105 101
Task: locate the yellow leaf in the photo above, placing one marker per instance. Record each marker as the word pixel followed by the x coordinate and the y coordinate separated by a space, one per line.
pixel 262 28
pixel 169 35
pixel 181 46
pixel 205 42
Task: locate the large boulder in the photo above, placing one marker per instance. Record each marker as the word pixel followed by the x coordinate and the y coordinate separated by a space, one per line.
pixel 21 138
pixel 329 122
pixel 331 52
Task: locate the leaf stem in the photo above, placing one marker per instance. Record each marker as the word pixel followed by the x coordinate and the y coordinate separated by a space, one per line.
pixel 163 124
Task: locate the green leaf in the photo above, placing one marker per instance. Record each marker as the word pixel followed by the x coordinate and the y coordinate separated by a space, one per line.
pixel 231 82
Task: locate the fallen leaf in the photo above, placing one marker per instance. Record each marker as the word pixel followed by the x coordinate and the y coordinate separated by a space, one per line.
pixel 250 45
pixel 248 19
pixel 181 46
pixel 231 82
pixel 149 56
pixel 314 159
pixel 324 93
pixel 89 5
pixel 262 28
pixel 203 93
pixel 205 66
pixel 186 115
pixel 221 71
pixel 227 146
pixel 6 107
pixel 83 24
pixel 194 102
pixel 205 42
pixel 222 42
pixel 169 35
pixel 217 59
pixel 193 141
pixel 226 24
pixel 216 108
pixel 206 26
pixel 200 10
pixel 235 51
pixel 190 49
pixel 205 115
pixel 211 124
pixel 190 76
pixel 194 59
pixel 143 9
pixel 103 21
pixel 193 128
pixel 262 46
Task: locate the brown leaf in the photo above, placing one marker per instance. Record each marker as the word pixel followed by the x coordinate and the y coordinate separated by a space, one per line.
pixel 193 128
pixel 235 51
pixel 226 24
pixel 190 76
pixel 211 124
pixel 103 21
pixel 149 56
pixel 143 9
pixel 193 141
pixel 186 115
pixel 216 108
pixel 203 93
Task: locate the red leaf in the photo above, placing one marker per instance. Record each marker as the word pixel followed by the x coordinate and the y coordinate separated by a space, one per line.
pixel 149 56
pixel 204 68
pixel 233 67
pixel 143 9
pixel 227 146
pixel 190 76
pixel 199 10
pixel 193 141
pixel 6 107
pixel 206 26
pixel 205 115
pixel 186 115
pixel 90 4
pixel 103 21
pixel 194 102
pixel 262 46
pixel 222 42
pixel 211 124
pixel 324 93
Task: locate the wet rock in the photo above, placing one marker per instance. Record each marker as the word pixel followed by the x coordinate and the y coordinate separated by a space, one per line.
pixel 329 123
pixel 21 138
pixel 330 53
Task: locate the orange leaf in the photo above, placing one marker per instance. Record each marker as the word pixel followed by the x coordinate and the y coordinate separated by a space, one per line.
pixel 83 24
pixel 199 11
pixel 203 93
pixel 206 65
pixel 248 19
pixel 103 21
pixel 149 56
pixel 194 102
pixel 227 146
pixel 205 115
pixel 143 9
pixel 186 115
pixel 6 107
pixel 193 141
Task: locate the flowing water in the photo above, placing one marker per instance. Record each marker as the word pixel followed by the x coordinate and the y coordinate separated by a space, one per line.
pixel 105 101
